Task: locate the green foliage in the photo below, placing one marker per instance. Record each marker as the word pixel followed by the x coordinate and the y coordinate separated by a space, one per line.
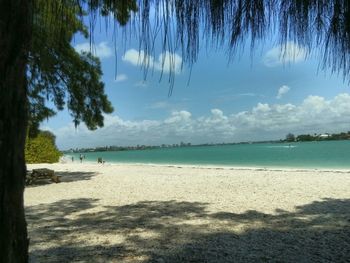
pixel 329 137
pixel 120 9
pixel 290 137
pixel 42 148
pixel 306 138
pixel 58 73
pixel 180 25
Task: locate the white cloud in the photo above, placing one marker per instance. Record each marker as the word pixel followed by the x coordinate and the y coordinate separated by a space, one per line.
pixel 262 122
pixel 137 57
pixel 166 62
pixel 261 108
pixel 287 53
pixel 282 90
pixel 169 62
pixel 101 50
pixel 43 127
pixel 179 117
pixel 121 77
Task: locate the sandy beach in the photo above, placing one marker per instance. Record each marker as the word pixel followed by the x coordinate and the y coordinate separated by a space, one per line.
pixel 150 213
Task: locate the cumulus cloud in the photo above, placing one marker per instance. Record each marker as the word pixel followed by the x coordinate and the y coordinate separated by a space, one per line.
pixel 178 117
pixel 166 62
pixel 263 121
pixel 282 90
pixel 121 77
pixel 288 53
pixel 137 57
pixel 101 50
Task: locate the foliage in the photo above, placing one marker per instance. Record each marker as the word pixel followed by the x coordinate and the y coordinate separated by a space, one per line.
pixel 230 23
pixel 328 137
pixel 59 74
pixel 306 138
pixel 42 148
pixel 290 137
pixel 179 24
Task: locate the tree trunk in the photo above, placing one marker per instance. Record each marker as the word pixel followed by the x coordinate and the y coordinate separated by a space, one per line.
pixel 15 38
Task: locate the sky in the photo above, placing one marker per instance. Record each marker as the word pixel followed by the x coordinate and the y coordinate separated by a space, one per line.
pixel 256 97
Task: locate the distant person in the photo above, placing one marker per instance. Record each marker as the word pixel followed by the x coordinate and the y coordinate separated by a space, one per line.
pixel 81 158
pixel 72 159
pixel 100 160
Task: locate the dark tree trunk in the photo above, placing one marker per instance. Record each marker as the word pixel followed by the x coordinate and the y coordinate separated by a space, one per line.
pixel 15 36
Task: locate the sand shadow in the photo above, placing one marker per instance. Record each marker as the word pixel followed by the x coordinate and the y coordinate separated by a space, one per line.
pixel 65 177
pixel 171 231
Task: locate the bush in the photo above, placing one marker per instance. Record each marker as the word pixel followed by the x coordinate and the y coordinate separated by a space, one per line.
pixel 42 148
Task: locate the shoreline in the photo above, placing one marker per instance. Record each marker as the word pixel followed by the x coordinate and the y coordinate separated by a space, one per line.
pixel 212 166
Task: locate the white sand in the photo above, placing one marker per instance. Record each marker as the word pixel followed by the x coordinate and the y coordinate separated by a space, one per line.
pixel 144 213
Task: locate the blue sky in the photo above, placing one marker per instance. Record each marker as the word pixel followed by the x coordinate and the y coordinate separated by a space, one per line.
pixel 259 98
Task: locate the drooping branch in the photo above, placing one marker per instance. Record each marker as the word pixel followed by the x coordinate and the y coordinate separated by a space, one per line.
pixel 316 24
pixel 181 25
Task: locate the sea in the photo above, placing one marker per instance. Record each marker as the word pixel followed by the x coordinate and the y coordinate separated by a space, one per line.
pixel 313 155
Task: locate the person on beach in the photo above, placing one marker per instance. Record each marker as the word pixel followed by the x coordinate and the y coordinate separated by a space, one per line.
pixel 81 158
pixel 72 159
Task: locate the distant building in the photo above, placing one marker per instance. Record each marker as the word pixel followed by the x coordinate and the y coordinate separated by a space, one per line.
pixel 324 135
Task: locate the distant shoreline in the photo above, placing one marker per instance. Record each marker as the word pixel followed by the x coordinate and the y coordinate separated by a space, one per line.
pixel 188 145
pixel 296 156
pixel 212 166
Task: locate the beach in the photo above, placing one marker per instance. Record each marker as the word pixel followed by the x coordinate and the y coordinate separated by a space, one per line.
pixel 177 213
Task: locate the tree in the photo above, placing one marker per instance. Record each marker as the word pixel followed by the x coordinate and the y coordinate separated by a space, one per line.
pixel 305 138
pixel 42 148
pixel 229 23
pixel 57 71
pixel 37 63
pixel 15 36
pixel 290 137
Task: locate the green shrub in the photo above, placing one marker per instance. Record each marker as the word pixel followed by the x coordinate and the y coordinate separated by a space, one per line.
pixel 42 148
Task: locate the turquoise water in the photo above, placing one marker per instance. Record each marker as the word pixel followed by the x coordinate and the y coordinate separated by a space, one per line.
pixel 326 154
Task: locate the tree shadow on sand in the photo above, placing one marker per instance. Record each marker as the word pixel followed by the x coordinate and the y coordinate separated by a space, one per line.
pixel 170 231
pixel 65 177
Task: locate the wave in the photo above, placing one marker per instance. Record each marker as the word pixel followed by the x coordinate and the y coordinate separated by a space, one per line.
pixel 282 146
